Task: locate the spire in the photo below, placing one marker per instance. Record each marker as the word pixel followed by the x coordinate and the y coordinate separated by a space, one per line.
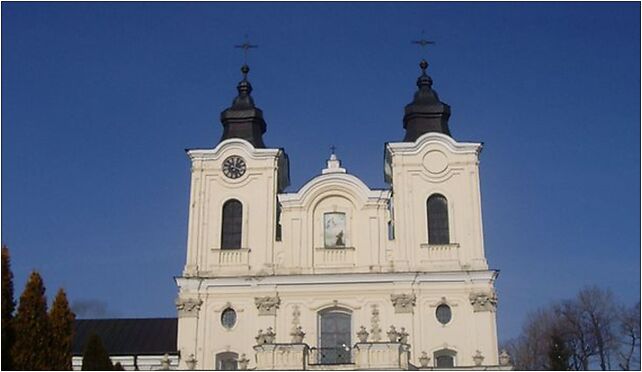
pixel 243 119
pixel 426 113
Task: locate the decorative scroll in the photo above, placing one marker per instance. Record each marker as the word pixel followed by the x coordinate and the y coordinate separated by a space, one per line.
pixel 375 331
pixel 483 301
pixel 188 307
pixel 267 305
pixel 403 303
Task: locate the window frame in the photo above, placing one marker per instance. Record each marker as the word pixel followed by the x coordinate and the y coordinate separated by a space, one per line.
pixel 345 229
pixel 438 221
pixel 336 310
pixel 444 353
pixel 236 318
pixel 219 358
pixel 228 231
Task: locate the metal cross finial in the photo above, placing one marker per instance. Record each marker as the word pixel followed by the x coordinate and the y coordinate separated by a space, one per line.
pixel 245 46
pixel 423 42
pixel 333 148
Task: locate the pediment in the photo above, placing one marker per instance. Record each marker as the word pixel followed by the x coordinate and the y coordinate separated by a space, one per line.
pixel 341 184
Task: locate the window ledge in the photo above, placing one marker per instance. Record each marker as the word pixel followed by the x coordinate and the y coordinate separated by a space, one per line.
pixel 438 246
pixel 335 248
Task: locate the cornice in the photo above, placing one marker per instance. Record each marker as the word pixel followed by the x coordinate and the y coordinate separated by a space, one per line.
pixel 473 148
pixel 481 276
pixel 231 143
pixel 331 182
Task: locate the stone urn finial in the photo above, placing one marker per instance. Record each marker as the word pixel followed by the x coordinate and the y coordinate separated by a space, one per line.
pixel 424 359
pixel 403 336
pixel 190 362
pixel 363 334
pixel 297 335
pixel 165 362
pixel 504 358
pixel 243 362
pixel 478 358
pixel 269 336
pixel 393 335
pixel 260 337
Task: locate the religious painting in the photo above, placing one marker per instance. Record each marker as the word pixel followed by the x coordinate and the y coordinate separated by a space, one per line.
pixel 334 232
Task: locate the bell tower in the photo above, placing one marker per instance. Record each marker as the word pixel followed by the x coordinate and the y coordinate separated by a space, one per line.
pixel 435 187
pixel 233 213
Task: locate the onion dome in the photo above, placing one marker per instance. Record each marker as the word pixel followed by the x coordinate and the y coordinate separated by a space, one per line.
pixel 426 113
pixel 243 119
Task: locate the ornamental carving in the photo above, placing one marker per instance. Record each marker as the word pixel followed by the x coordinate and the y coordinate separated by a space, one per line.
pixel 483 301
pixel 267 305
pixel 188 307
pixel 403 303
pixel 375 330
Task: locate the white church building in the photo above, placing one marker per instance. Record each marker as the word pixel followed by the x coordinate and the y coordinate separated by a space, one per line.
pixel 336 275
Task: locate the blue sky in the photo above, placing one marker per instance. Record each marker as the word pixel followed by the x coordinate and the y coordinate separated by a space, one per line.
pixel 100 100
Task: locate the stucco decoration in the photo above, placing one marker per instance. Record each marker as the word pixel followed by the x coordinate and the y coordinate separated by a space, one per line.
pixel 190 362
pixel 483 301
pixel 392 333
pixel 297 335
pixel 188 307
pixel 265 338
pixel 424 359
pixel 504 358
pixel 243 362
pixel 362 335
pixel 478 358
pixel 403 336
pixel 375 330
pixel 165 362
pixel 296 316
pixel 403 303
pixel 267 305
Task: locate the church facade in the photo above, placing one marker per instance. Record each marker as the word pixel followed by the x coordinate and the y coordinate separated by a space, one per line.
pixel 337 275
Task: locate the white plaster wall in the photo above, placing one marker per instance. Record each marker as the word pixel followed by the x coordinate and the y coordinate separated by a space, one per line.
pixel 467 332
pixel 366 273
pixel 436 163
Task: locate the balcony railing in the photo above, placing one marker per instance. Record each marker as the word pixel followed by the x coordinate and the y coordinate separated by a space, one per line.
pixel 334 257
pixel 440 255
pixel 330 355
pixel 231 257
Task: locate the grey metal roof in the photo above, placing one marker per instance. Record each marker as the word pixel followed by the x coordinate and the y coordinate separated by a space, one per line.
pixel 142 336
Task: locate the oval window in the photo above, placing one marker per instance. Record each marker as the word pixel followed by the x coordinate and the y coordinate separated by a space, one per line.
pixel 228 318
pixel 443 314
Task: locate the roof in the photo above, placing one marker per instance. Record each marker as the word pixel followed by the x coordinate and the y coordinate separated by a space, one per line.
pixel 142 336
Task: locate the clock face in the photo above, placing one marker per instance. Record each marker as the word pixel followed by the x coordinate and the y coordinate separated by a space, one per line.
pixel 234 167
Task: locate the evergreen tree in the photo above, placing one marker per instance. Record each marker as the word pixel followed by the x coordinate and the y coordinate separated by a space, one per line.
pixel 8 307
pixel 31 348
pixel 558 354
pixel 95 357
pixel 62 325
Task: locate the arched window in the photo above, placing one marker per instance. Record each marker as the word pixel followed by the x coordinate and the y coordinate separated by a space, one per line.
pixel 437 209
pixel 232 225
pixel 445 358
pixel 335 328
pixel 227 361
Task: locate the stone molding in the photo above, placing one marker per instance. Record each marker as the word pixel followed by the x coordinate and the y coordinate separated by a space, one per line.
pixel 403 303
pixel 483 301
pixel 188 307
pixel 267 305
pixel 481 277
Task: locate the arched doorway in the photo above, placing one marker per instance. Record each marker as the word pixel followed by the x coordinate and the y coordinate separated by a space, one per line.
pixel 227 361
pixel 335 330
